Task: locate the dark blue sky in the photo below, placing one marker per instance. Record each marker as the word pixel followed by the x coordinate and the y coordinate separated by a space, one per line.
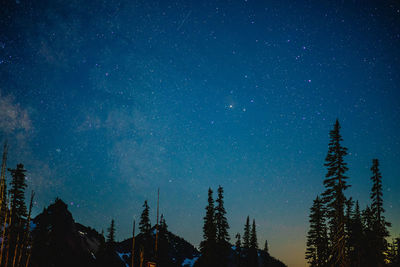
pixel 106 101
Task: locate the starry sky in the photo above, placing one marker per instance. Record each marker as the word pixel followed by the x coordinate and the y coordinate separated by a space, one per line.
pixel 104 101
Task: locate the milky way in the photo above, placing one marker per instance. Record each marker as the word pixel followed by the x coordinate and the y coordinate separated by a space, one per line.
pixel 106 101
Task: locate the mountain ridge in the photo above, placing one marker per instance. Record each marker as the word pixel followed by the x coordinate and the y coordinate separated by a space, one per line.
pixel 60 241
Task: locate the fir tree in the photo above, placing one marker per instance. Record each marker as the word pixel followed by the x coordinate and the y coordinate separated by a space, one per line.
pixel 238 243
pixel 266 247
pixel 17 193
pixel 333 197
pixel 367 219
pixel 253 236
pixel 163 224
pixel 238 249
pixel 317 249
pixel 208 245
pixel 369 249
pixel 348 226
pixel 220 219
pixel 253 254
pixel 111 233
pixel 222 226
pixel 246 235
pixel 356 238
pixel 246 243
pixel 3 184
pixel 379 225
pixel 144 224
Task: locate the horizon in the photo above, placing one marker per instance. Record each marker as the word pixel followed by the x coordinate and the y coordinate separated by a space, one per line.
pixel 104 103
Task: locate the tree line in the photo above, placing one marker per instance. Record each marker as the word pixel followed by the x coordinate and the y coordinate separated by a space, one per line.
pixel 16 242
pixel 341 234
pixel 215 248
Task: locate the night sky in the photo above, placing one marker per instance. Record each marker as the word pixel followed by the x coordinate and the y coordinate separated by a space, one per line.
pixel 104 101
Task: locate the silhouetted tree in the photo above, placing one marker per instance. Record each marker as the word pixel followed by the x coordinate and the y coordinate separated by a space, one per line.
pixel 238 250
pixel 220 218
pixel 379 225
pixel 246 235
pixel 253 236
pixel 253 253
pixel 317 239
pixel 356 238
pixel 3 184
pixel 266 247
pixel 163 224
pixel 144 224
pixel 208 245
pixel 246 243
pixel 334 198
pixel 17 193
pixel 369 235
pixel 222 226
pixel 348 226
pixel 111 232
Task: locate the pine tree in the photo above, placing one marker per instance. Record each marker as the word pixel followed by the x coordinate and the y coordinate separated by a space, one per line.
pixel 317 239
pixel 246 244
pixel 253 253
pixel 379 225
pixel 111 233
pixel 266 250
pixel 220 219
pixel 356 238
pixel 208 245
pixel 3 184
pixel 238 250
pixel 334 198
pixel 246 235
pixel 144 224
pixel 163 224
pixel 253 236
pixel 222 226
pixel 367 219
pixel 348 226
pixel 17 193
pixel 369 249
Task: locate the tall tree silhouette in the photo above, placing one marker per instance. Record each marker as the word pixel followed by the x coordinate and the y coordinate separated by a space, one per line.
pixel 246 234
pixel 3 183
pixel 144 224
pixel 222 226
pixel 208 245
pixel 369 249
pixel 17 193
pixel 333 197
pixel 253 253
pixel 379 225
pixel 111 232
pixel 356 238
pixel 348 226
pixel 220 218
pixel 163 224
pixel 317 239
pixel 266 249
pixel 238 250
pixel 253 236
pixel 246 243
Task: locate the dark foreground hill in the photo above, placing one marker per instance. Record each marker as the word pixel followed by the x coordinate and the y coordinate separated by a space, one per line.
pixel 59 241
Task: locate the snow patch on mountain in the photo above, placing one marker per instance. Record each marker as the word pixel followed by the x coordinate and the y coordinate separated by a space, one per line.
pixel 189 262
